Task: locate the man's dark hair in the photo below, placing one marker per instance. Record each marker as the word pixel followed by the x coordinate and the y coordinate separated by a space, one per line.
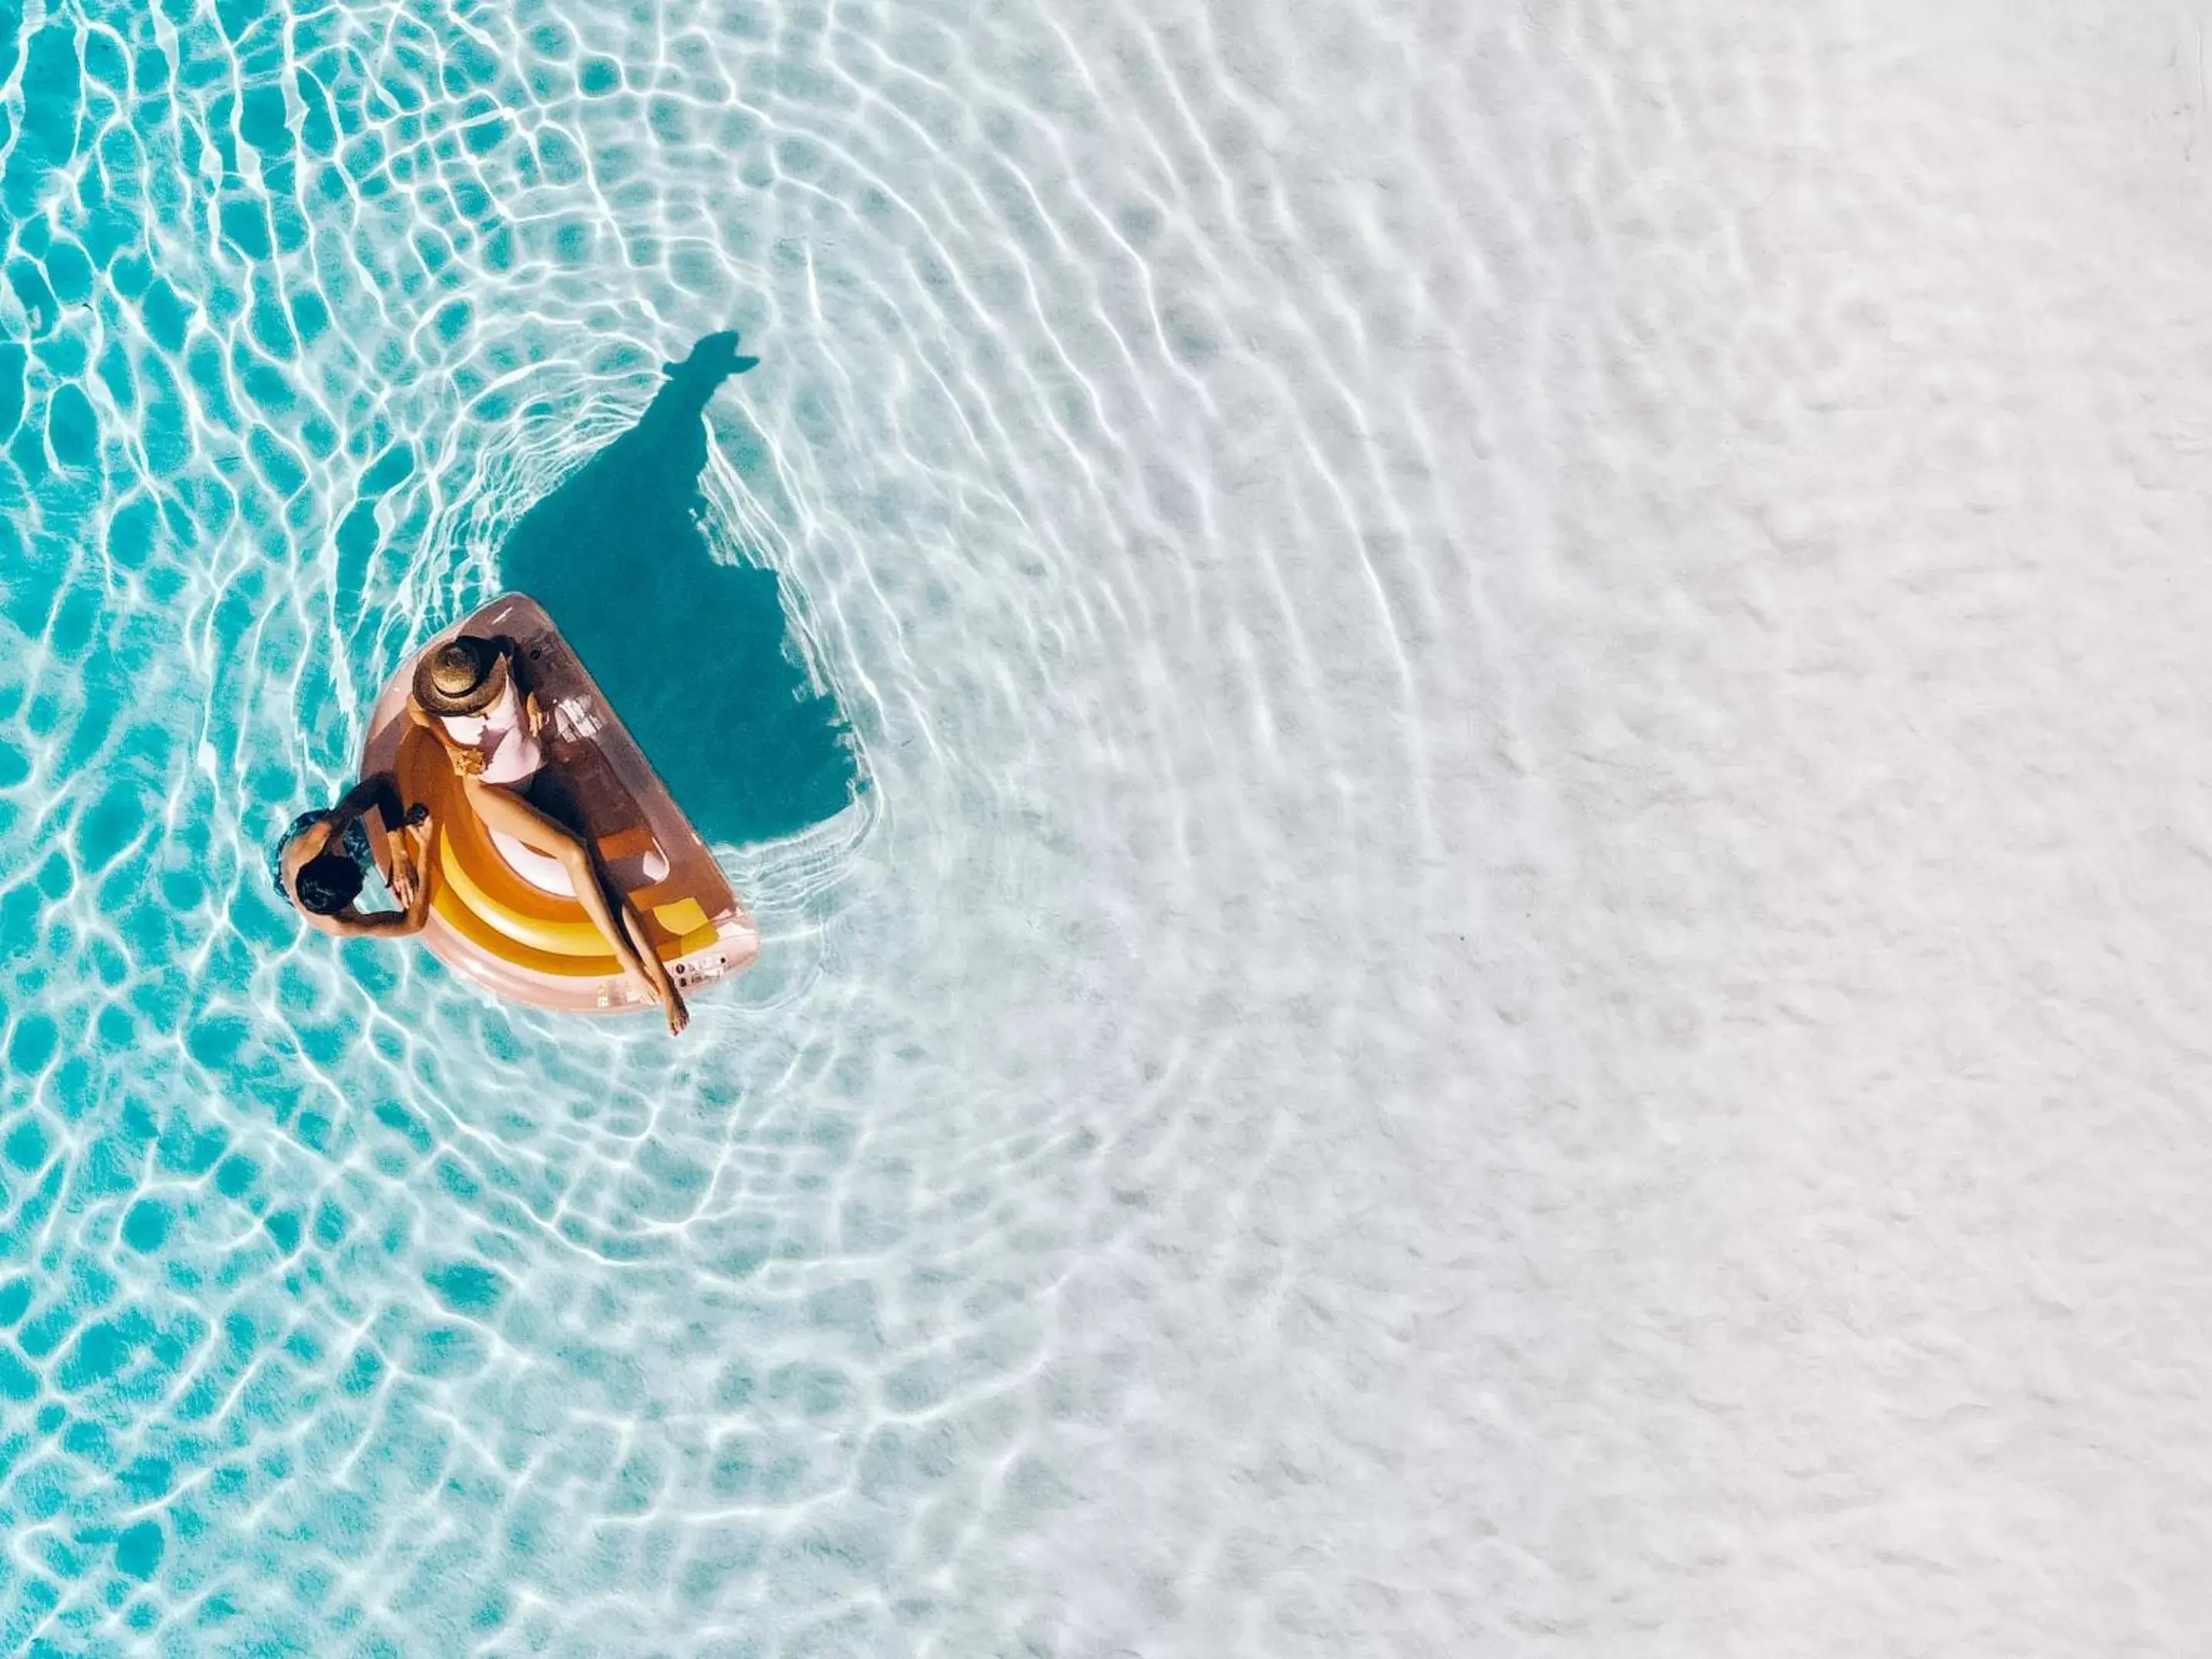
pixel 326 884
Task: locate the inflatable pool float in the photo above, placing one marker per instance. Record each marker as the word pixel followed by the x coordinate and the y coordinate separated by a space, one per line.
pixel 502 913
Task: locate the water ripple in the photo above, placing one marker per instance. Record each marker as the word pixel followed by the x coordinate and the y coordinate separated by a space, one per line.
pixel 975 1277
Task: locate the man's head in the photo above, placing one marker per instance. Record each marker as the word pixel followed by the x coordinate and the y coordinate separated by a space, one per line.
pixel 327 884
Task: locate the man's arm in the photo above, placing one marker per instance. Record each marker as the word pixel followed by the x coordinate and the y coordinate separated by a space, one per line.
pixel 375 801
pixel 392 924
pixel 379 790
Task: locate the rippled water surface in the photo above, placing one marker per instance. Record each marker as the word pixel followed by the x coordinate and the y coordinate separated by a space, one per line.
pixel 1363 661
pixel 926 1296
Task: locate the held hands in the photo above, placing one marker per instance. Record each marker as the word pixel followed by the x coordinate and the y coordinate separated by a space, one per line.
pixel 467 762
pixel 407 859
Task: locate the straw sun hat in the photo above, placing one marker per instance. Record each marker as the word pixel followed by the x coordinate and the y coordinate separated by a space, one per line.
pixel 464 676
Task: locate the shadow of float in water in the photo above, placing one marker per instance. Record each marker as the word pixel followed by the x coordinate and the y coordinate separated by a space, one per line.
pixel 699 658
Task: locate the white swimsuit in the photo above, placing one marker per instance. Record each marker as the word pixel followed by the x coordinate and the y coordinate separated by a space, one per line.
pixel 511 757
pixel 500 734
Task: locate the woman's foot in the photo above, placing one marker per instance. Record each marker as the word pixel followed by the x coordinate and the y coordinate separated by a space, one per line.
pixel 659 988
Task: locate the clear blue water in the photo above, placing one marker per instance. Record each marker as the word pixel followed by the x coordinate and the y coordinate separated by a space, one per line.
pixel 1066 634
pixel 1467 738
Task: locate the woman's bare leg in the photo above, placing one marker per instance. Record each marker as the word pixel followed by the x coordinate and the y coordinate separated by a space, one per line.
pixel 671 999
pixel 662 984
pixel 508 812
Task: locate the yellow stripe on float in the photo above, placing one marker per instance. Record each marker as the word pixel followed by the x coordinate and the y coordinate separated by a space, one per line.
pixel 557 938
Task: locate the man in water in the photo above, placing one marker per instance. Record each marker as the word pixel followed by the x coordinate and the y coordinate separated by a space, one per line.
pixel 323 858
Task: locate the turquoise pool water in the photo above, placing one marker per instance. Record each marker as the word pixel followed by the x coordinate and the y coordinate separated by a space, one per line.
pixel 1068 634
pixel 1469 741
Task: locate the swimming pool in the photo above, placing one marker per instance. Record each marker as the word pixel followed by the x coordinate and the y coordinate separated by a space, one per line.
pixel 352 1312
pixel 1357 661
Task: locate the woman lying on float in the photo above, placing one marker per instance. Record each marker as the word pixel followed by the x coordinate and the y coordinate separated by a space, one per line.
pixel 468 694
